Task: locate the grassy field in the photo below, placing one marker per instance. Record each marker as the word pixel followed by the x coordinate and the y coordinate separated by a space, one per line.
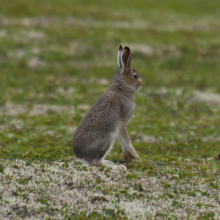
pixel 58 57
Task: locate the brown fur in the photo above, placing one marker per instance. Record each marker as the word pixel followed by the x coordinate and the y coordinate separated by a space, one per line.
pixel 106 121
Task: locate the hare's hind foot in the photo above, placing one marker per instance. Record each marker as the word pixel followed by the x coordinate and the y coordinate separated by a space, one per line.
pixel 110 164
pixel 88 162
pixel 82 161
pixel 105 163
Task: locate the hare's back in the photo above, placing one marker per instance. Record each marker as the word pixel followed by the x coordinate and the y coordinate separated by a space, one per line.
pixel 96 132
pixel 102 118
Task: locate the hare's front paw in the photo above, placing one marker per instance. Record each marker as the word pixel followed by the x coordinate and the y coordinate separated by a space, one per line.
pixel 134 155
pixel 129 157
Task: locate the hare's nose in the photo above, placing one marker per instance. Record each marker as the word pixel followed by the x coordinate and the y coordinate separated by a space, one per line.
pixel 142 83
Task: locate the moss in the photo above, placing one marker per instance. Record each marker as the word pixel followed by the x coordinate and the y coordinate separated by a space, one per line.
pixel 55 63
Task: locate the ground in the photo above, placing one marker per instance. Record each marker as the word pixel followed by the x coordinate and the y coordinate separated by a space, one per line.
pixel 58 57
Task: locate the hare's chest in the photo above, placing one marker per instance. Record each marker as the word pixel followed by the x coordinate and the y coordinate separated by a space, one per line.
pixel 128 110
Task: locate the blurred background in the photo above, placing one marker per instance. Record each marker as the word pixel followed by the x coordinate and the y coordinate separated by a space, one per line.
pixel 58 57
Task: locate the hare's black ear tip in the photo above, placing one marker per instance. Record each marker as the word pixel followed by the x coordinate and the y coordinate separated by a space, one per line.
pixel 127 48
pixel 120 47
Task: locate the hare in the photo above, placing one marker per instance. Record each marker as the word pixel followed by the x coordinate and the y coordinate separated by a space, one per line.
pixel 107 119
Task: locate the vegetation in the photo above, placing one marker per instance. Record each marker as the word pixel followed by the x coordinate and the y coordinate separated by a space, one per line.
pixel 58 57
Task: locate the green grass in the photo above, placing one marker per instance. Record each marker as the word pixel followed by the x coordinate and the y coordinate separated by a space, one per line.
pixel 63 53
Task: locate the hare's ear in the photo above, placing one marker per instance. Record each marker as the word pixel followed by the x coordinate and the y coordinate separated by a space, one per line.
pixel 120 50
pixel 126 57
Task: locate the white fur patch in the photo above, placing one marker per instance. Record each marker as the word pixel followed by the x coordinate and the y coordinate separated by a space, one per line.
pixel 119 58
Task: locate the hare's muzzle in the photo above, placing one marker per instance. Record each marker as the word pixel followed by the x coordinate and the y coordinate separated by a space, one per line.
pixel 141 82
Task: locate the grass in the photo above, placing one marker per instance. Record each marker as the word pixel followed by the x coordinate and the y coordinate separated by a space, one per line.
pixel 58 58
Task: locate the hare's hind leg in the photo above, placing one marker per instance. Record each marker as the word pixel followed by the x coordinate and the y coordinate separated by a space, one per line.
pixel 108 163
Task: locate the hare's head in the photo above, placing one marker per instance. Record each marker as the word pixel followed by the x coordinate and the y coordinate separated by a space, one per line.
pixel 128 75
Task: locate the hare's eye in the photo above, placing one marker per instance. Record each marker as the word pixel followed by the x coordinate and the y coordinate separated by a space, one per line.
pixel 135 76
